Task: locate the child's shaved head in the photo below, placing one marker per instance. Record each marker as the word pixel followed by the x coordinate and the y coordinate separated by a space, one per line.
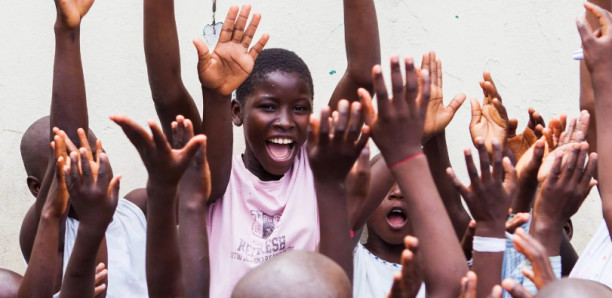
pixel 9 283
pixel 272 60
pixel 574 287
pixel 295 274
pixel 35 148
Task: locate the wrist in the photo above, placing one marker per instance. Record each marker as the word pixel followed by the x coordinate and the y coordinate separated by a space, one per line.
pixel 214 94
pixel 490 229
pixel 159 192
pixel 61 28
pixel 394 158
pixel 92 231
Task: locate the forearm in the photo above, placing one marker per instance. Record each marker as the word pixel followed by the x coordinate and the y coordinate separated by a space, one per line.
pixel 79 278
pixel 68 102
pixel 488 265
pixel 162 55
pixel 29 226
pixel 445 265
pixel 437 157
pixel 602 84
pixel 162 252
pixel 549 233
pixel 39 278
pixel 362 44
pixel 334 224
pixel 193 245
pixel 218 128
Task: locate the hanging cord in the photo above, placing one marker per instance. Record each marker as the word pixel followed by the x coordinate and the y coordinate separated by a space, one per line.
pixel 214 10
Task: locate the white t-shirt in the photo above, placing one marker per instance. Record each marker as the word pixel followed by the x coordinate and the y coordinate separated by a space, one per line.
pixel 372 276
pixel 595 262
pixel 257 220
pixel 126 247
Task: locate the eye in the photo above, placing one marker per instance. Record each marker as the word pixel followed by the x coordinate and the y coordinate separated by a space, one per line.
pixel 267 107
pixel 301 109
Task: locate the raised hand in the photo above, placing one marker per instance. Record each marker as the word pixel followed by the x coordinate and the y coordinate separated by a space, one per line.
pixel 231 62
pixel 94 193
pixel 407 283
pixel 101 274
pixel 333 146
pixel 438 116
pixel 71 12
pixel 486 197
pixel 397 128
pixel 527 170
pixel 196 180
pixel 491 120
pixel 596 48
pixel 164 164
pixel 542 273
pixel 520 143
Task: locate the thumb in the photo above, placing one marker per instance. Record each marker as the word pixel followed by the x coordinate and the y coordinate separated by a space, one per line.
pixel 113 190
pixel 369 114
pixel 586 35
pixel 203 52
pixel 456 103
pixel 191 148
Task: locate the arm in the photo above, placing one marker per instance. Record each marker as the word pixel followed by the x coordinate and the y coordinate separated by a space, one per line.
pixel 397 130
pixel 39 278
pixel 220 73
pixel 331 155
pixel 162 54
pixel 165 167
pixel 488 201
pixel 94 195
pixel 599 62
pixel 68 101
pixel 362 49
pixel 194 190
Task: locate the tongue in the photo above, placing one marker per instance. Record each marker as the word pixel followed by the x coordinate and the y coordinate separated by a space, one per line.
pixel 396 219
pixel 279 151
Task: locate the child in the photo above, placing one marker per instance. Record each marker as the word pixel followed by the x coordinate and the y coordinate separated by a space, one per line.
pixel 9 283
pixel 271 182
pixel 125 234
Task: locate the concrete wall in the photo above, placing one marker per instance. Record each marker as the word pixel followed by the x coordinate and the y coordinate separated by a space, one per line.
pixel 527 45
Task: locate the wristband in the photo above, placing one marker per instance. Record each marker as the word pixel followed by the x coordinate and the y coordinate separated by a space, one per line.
pixel 407 159
pixel 488 244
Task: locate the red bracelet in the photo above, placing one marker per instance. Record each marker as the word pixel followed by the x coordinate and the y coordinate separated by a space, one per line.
pixel 409 158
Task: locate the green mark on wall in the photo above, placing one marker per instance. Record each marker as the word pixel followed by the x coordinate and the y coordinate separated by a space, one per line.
pixel 331 73
pixel 456 17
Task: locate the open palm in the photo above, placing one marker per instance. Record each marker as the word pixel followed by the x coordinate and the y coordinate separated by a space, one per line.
pixel 489 122
pixel 231 62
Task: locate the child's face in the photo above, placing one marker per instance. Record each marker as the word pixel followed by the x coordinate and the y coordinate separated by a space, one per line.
pixel 275 118
pixel 390 220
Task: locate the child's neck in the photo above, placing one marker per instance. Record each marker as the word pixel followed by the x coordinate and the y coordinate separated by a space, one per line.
pixel 255 167
pixel 389 252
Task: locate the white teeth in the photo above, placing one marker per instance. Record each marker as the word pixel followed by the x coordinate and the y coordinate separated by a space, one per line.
pixel 281 141
pixel 397 211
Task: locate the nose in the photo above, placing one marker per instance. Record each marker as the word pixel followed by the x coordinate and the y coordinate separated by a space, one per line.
pixel 396 194
pixel 284 120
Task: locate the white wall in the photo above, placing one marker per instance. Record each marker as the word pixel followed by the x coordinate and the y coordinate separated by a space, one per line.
pixel 527 45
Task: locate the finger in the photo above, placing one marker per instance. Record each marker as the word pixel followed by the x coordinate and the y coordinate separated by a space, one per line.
pixel 580 163
pixel 471 285
pixel 85 143
pixel 396 287
pixel 98 150
pixel 425 62
pixel 461 189
pixel 424 93
pixel 259 46
pixel 510 177
pixel 86 170
pixel 341 123
pixel 240 24
pixel 496 292
pixel 113 190
pixel 135 133
pixel 355 122
pixel 456 103
pixel 99 289
pixel 468 239
pixel 555 170
pixel 161 143
pixel 73 178
pixel 583 124
pixel 191 148
pixel 438 75
pixel 569 133
pixel 602 15
pixel 363 139
pixel 567 170
pixel 324 128
pixel 69 144
pixel 517 221
pixel 485 169
pixel 500 109
pixel 471 168
pixel 397 82
pixel 203 51
pixel 247 38
pixel 412 86
pixel 590 170
pixel 412 243
pixel 512 125
pixel 382 97
pixel 476 112
pixel 498 166
pixel 369 114
pixel 515 289
pixel 228 25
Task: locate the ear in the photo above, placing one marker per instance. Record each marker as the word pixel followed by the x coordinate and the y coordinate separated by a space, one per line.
pixel 33 185
pixel 236 112
pixel 568 228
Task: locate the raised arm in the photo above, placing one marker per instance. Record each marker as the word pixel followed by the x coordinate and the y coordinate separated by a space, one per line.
pixel 599 63
pixel 162 54
pixel 194 190
pixel 332 151
pixel 220 73
pixel 94 194
pixel 362 50
pixel 39 278
pixel 165 167
pixel 398 130
pixel 68 101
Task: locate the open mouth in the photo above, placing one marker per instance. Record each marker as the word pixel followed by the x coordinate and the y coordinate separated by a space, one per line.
pixel 396 218
pixel 280 148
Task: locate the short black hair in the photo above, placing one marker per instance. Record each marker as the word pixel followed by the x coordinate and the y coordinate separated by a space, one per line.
pixel 269 61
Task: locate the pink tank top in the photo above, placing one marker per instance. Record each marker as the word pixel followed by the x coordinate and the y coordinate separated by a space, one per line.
pixel 257 220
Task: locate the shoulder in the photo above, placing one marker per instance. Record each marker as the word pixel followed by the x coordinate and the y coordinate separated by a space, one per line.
pixel 138 197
